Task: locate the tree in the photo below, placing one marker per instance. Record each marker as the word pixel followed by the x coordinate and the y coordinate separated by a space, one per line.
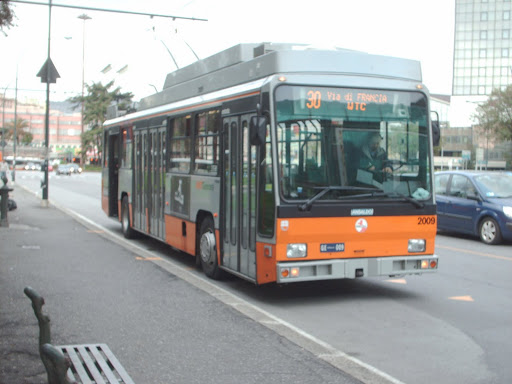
pixel 96 101
pixel 22 135
pixel 494 116
pixel 6 16
pixel 27 138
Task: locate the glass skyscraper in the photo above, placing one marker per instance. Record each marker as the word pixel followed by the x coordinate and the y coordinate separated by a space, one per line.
pixel 483 47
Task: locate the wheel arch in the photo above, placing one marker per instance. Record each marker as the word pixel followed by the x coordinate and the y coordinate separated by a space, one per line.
pixel 483 215
pixel 498 237
pixel 200 217
pixel 122 195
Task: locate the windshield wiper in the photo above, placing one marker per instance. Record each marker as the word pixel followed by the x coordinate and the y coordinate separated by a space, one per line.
pixel 381 193
pixel 413 201
pixel 307 205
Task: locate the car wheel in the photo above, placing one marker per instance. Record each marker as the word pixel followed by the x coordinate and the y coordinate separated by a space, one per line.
pixel 490 231
pixel 126 225
pixel 207 250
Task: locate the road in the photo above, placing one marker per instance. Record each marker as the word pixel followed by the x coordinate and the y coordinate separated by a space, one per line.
pixel 451 327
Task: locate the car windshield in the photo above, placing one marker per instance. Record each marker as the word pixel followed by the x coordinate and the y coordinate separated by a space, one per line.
pixel 495 185
pixel 343 141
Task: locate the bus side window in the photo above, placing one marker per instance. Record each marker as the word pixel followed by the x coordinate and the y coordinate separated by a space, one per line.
pixel 180 143
pixel 207 142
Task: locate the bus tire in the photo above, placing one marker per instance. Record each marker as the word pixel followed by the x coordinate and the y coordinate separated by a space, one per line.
pixel 126 225
pixel 207 250
pixel 489 231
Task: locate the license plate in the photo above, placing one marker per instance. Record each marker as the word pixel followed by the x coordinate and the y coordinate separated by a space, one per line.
pixel 332 247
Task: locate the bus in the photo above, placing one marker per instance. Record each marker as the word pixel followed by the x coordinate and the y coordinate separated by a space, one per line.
pixel 250 161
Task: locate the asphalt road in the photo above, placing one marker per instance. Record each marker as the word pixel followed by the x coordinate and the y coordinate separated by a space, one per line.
pixel 451 327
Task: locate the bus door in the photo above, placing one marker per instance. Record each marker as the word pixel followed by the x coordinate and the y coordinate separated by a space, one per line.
pixel 141 180
pixel 156 183
pixel 238 231
pixel 112 171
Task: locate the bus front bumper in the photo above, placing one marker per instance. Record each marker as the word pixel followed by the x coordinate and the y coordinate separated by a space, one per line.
pixel 290 272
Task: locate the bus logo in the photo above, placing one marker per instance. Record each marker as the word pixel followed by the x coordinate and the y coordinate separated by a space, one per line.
pixel 361 225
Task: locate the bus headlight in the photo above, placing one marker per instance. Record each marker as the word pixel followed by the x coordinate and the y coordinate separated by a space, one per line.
pixel 294 251
pixel 416 245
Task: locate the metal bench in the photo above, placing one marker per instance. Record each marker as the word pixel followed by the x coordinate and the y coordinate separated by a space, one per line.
pixel 67 364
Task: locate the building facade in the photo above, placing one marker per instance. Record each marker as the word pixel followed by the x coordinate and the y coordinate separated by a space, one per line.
pixel 64 128
pixel 482 57
pixel 482 61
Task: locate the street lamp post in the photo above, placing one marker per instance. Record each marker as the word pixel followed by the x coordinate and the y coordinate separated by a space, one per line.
pixel 3 124
pixel 15 133
pixel 83 17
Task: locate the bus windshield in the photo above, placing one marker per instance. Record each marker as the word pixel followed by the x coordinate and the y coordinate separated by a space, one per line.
pixel 338 143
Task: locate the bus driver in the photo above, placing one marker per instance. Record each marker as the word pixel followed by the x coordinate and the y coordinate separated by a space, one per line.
pixel 373 157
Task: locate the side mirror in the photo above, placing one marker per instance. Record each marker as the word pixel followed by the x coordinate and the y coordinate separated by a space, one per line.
pixel 473 196
pixel 257 130
pixel 436 131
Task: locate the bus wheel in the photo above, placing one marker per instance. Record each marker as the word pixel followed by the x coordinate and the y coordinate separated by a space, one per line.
pixel 126 226
pixel 208 250
pixel 490 231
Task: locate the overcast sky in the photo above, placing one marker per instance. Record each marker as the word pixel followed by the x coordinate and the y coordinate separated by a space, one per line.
pixel 414 29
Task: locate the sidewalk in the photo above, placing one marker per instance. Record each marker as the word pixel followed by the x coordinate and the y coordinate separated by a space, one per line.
pixel 161 328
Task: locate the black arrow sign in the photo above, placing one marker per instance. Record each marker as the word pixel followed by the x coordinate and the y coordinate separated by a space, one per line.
pixel 44 72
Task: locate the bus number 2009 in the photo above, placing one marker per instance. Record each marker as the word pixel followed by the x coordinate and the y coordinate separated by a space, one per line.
pixel 426 220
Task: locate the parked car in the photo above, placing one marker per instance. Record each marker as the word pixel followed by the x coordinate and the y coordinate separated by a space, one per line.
pixel 75 168
pixel 475 203
pixel 63 169
pixel 32 166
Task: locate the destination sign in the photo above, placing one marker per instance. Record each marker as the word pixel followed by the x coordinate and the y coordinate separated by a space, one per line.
pixel 352 100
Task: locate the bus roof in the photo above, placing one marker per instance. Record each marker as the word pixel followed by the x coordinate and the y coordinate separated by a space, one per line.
pixel 247 62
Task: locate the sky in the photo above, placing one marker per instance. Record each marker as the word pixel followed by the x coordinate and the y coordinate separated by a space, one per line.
pixel 413 29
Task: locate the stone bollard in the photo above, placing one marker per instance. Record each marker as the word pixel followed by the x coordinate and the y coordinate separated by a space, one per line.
pixel 54 361
pixel 4 204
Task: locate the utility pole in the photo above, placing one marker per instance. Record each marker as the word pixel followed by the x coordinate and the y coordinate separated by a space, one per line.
pixel 15 135
pixel 47 114
pixel 48 74
pixel 3 124
pixel 84 17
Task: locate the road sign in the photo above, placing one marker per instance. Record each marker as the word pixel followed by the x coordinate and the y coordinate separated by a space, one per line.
pixel 480 154
pixel 50 72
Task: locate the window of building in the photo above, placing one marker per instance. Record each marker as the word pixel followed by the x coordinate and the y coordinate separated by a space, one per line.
pixel 180 144
pixel 506 15
pixel 483 16
pixel 481 71
pixel 482 53
pixel 483 35
pixel 504 52
pixel 207 142
pixel 505 34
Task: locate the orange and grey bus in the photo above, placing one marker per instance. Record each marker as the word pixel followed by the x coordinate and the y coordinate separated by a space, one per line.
pixel 254 160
